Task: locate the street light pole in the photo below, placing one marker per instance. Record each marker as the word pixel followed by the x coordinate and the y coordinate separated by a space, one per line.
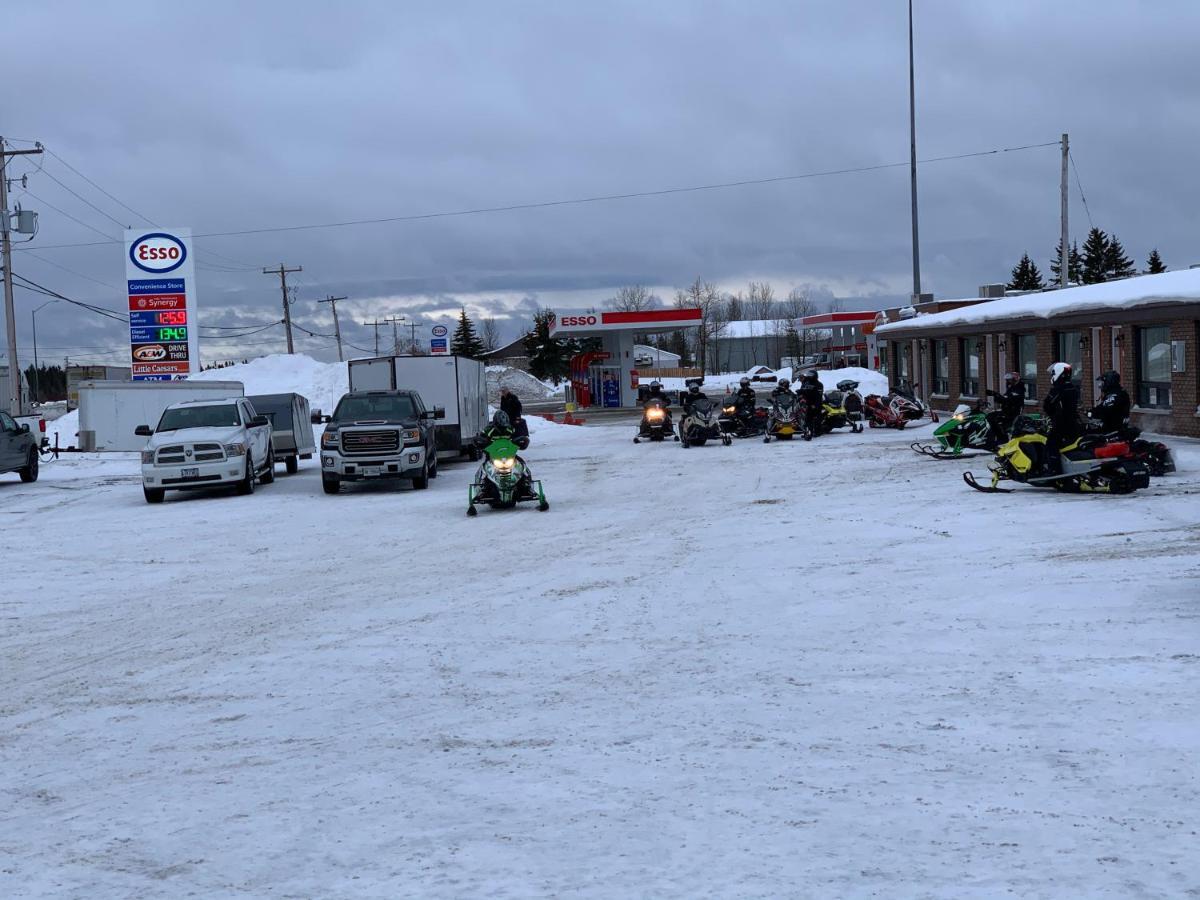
pixel 37 388
pixel 912 136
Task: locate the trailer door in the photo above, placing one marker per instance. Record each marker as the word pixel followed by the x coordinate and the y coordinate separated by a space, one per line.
pixel 371 374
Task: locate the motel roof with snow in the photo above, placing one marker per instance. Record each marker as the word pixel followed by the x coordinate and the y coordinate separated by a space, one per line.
pixel 1146 328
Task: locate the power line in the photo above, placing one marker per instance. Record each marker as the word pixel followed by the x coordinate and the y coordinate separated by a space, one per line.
pixel 110 240
pixel 73 272
pixel 1079 184
pixel 82 198
pixel 602 198
pixel 100 189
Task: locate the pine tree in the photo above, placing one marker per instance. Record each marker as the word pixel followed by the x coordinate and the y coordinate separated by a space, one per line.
pixel 1026 277
pixel 465 341
pixel 1155 265
pixel 1116 263
pixel 549 357
pixel 1095 257
pixel 792 345
pixel 1074 266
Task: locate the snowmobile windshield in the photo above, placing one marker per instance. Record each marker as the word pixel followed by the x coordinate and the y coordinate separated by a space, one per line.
pixel 223 416
pixel 702 406
pixel 381 408
pixel 847 385
pixel 962 411
pixel 835 398
pixel 785 403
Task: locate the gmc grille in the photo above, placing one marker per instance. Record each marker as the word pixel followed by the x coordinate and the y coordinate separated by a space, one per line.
pixel 370 442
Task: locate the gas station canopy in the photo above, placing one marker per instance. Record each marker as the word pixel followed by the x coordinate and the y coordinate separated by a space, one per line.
pixel 569 321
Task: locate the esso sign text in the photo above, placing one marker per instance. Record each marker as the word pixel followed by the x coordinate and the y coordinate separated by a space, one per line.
pixel 567 321
pixel 158 253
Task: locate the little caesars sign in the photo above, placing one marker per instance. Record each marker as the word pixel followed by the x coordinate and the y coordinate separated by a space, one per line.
pixel 161 277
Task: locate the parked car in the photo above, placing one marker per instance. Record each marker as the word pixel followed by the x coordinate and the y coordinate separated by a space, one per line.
pixel 204 444
pixel 377 435
pixel 18 449
pixel 291 427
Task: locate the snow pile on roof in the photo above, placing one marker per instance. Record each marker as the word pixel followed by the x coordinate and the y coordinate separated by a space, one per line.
pixel 1129 293
pixel 281 373
pixel 520 383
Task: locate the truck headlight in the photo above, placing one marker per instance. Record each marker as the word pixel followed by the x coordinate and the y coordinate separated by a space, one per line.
pixel 329 440
pixel 147 457
pixel 411 435
pixel 235 449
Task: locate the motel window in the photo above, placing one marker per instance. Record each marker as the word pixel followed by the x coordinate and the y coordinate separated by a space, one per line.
pixel 971 349
pixel 1067 349
pixel 903 369
pixel 1154 367
pixel 941 368
pixel 1027 365
pixel 884 362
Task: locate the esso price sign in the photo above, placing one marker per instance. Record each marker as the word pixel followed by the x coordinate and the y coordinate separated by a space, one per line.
pixel 158 253
pixel 567 321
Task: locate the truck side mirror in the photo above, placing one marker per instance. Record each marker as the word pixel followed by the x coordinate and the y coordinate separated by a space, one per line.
pixel 316 418
pixel 259 421
pixel 143 431
pixel 22 429
pixel 439 412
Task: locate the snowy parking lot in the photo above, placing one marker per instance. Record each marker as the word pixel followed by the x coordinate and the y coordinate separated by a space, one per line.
pixel 814 670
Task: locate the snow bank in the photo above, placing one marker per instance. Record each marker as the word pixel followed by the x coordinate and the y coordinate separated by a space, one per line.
pixel 322 383
pixel 520 383
pixel 869 381
pixel 1129 293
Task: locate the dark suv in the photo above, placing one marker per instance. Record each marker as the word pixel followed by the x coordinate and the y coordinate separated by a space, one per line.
pixel 18 449
pixel 379 434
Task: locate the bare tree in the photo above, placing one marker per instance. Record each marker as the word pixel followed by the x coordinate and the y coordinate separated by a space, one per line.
pixel 632 299
pixel 703 296
pixel 760 300
pixel 490 335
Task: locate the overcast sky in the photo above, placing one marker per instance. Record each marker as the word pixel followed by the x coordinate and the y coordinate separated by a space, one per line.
pixel 228 116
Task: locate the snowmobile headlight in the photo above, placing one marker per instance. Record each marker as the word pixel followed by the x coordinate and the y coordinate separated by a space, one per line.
pixel 654 415
pixel 729 410
pixel 504 464
pixel 958 418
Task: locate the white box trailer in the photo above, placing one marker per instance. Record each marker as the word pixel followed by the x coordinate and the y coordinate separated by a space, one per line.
pixel 109 411
pixel 456 383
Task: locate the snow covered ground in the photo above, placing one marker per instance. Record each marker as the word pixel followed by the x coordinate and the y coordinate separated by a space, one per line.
pixel 820 670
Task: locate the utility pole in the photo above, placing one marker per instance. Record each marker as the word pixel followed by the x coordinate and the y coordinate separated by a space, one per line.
pixel 337 329
pixel 395 335
pixel 283 272
pixel 1064 262
pixel 413 339
pixel 10 314
pixel 912 134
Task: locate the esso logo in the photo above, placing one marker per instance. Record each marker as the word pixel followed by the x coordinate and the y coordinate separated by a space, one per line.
pixel 567 321
pixel 150 353
pixel 158 253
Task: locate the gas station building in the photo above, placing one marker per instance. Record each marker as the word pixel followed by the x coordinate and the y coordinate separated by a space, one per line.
pixel 608 377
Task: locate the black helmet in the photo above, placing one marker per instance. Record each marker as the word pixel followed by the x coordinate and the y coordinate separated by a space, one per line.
pixel 1011 378
pixel 784 383
pixel 810 375
pixel 1110 381
pixel 656 385
pixel 501 420
pixel 745 382
pixel 693 388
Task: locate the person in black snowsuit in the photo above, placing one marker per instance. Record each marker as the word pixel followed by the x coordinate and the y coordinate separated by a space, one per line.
pixel 812 392
pixel 1010 404
pixel 1061 407
pixel 510 405
pixel 656 392
pixel 693 394
pixel 1112 412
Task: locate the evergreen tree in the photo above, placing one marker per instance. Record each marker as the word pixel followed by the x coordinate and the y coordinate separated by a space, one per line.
pixel 1155 265
pixel 791 343
pixel 1095 257
pixel 465 341
pixel 1026 277
pixel 549 357
pixel 1116 263
pixel 1074 266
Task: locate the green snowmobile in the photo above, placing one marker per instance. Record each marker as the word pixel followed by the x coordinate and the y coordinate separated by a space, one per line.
pixel 504 480
pixel 971 428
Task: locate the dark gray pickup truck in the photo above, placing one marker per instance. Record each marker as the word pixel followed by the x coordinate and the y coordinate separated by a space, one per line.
pixel 377 435
pixel 18 449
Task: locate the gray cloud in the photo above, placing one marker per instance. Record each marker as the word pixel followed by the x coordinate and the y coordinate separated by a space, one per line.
pixel 232 116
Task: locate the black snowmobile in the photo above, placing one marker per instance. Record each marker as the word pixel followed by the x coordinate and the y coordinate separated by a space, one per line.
pixel 656 422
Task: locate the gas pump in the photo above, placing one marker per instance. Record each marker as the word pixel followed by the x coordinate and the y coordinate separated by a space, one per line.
pixel 610 387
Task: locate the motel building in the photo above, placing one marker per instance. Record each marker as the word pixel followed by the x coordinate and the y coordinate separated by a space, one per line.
pixel 1147 328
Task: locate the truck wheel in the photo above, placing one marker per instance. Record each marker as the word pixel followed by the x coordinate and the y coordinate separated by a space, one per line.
pixel 29 474
pixel 422 481
pixel 154 495
pixel 268 474
pixel 433 467
pixel 330 484
pixel 293 464
pixel 246 485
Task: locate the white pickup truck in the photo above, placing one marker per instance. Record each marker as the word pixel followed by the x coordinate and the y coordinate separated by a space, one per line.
pixel 204 444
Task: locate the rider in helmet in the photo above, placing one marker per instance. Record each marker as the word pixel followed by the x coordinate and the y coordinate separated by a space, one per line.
pixel 1112 412
pixel 813 393
pixel 501 426
pixel 656 392
pixel 783 387
pixel 745 393
pixel 1010 404
pixel 693 394
pixel 1062 409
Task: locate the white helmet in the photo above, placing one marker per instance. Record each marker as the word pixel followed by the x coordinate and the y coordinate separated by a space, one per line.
pixel 1059 371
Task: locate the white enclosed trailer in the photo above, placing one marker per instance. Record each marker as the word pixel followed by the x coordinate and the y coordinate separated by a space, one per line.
pixel 109 411
pixel 456 383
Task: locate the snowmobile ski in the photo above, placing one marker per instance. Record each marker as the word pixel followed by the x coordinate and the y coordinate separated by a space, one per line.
pixel 942 453
pixel 984 488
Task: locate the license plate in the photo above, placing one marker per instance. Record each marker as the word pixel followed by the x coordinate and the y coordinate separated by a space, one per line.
pixel 190 473
pixel 370 470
